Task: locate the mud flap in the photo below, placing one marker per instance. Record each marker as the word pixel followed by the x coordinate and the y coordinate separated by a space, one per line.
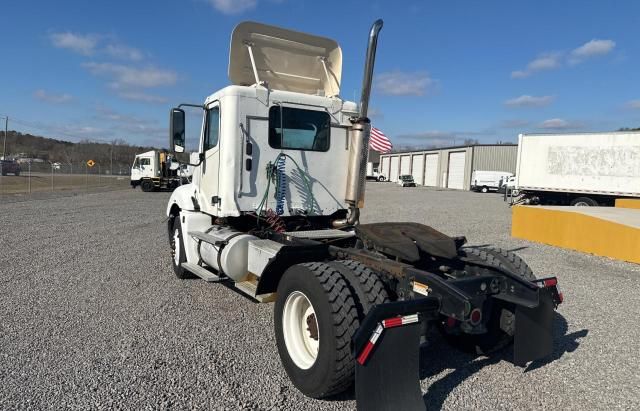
pixel 390 379
pixel 534 330
pixel 387 349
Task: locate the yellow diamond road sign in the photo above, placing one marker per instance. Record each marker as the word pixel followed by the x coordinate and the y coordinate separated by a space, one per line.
pixel 91 163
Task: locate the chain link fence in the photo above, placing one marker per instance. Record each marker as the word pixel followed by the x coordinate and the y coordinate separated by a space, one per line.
pixel 33 177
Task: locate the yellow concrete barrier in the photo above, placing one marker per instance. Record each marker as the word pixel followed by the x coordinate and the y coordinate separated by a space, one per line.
pixel 628 203
pixel 605 231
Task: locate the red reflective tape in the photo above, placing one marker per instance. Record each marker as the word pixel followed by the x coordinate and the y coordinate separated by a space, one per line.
pixel 392 322
pixel 362 358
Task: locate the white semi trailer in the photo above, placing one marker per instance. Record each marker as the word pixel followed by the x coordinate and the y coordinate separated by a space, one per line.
pixel 581 169
pixel 273 210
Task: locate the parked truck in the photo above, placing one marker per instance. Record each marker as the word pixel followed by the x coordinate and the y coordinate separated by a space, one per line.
pixel 579 169
pixel 155 170
pixel 373 174
pixel 273 211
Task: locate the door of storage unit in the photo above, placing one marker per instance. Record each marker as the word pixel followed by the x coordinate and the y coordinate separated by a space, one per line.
pixel 431 170
pixel 417 168
pixel 456 170
pixel 384 167
pixel 405 165
pixel 395 165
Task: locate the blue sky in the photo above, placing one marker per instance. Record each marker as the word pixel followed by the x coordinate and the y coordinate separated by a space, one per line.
pixel 445 71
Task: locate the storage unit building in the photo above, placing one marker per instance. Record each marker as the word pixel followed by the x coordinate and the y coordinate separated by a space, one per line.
pixel 449 167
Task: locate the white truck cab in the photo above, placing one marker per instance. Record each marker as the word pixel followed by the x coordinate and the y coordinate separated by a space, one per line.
pixel 282 113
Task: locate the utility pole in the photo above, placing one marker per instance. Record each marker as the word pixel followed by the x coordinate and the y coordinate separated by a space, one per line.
pixel 4 145
pixel 111 166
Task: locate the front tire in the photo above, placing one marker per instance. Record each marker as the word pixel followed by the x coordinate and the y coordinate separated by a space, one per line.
pixel 147 186
pixel 484 190
pixel 315 318
pixel 381 179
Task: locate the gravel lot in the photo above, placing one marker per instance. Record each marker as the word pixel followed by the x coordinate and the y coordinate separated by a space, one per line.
pixel 91 316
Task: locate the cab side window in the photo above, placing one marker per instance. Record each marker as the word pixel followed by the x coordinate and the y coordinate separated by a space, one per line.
pixel 213 128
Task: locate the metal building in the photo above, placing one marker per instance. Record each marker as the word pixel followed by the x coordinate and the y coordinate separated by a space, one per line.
pixel 449 167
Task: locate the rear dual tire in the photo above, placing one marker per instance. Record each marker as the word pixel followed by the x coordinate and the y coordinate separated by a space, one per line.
pixel 318 309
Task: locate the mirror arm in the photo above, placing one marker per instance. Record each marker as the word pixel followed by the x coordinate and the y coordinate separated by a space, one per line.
pixel 200 160
pixel 191 105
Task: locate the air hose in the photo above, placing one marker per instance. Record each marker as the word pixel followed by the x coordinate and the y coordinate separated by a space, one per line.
pixel 276 173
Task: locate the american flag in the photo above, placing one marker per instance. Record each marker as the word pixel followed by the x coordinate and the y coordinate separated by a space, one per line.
pixel 379 142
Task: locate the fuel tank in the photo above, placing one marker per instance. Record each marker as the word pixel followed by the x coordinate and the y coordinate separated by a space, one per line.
pixel 228 254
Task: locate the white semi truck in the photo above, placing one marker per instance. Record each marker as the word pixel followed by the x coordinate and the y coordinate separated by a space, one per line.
pixel 154 170
pixel 273 210
pixel 580 169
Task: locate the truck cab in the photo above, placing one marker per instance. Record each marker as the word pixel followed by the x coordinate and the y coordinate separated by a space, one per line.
pixel 281 129
pixel 157 170
pixel 144 166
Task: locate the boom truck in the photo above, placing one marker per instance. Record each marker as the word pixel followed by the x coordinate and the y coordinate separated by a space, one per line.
pixel 273 211
pixel 154 170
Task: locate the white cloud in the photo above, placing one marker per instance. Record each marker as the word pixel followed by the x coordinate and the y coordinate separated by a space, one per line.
pixel 515 123
pixel 530 101
pixel 397 83
pixel 127 124
pixel 375 113
pixel 559 124
pixel 140 96
pixel 547 61
pixel 635 104
pixel 79 43
pixel 554 60
pixel 124 52
pixel 593 48
pixel 126 76
pixel 42 95
pixel 233 6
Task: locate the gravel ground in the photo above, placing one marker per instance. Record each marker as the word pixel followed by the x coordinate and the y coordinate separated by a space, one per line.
pixel 91 316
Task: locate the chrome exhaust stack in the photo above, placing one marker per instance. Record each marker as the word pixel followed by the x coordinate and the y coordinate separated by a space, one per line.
pixel 359 138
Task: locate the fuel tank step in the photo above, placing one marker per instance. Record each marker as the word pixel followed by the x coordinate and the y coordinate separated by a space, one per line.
pixel 249 287
pixel 202 272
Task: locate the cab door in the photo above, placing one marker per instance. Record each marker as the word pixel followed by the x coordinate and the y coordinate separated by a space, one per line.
pixel 210 168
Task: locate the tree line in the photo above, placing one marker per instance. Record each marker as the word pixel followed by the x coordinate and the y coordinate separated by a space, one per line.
pixel 24 145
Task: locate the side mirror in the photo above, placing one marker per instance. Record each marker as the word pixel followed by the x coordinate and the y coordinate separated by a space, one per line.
pixel 177 130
